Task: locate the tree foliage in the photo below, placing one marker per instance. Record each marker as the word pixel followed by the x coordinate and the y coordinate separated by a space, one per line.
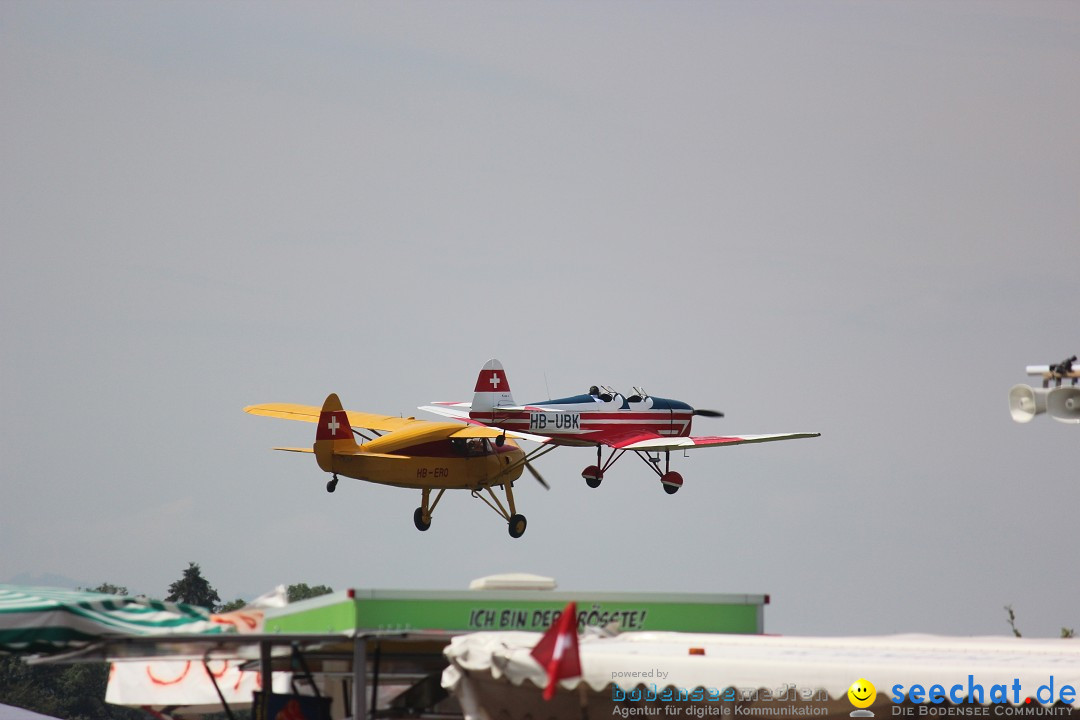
pixel 301 591
pixel 74 692
pixel 234 605
pixel 194 589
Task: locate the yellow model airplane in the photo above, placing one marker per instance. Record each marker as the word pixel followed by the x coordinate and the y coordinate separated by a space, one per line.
pixel 411 453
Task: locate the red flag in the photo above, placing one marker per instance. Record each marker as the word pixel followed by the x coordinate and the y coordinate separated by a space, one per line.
pixel 557 651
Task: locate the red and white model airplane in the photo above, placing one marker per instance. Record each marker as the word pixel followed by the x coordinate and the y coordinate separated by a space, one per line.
pixel 641 423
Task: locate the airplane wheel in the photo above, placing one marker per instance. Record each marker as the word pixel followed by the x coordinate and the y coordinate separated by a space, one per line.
pixel 517 526
pixel 672 482
pixel 593 476
pixel 331 485
pixel 418 520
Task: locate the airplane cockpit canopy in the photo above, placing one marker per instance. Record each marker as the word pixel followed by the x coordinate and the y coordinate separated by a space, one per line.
pixel 601 393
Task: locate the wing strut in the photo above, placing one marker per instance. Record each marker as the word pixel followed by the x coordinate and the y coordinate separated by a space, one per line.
pixel 515 521
pixel 654 462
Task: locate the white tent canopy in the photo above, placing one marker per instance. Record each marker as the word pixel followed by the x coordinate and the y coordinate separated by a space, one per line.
pixel 493 672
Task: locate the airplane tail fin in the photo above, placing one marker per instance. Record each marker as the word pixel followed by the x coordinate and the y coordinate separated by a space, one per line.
pixel 492 388
pixel 333 434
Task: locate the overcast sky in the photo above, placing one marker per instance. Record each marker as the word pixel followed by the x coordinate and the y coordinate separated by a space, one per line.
pixel 860 219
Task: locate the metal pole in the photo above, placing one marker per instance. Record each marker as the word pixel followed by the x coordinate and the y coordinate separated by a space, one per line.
pixel 375 678
pixel 359 687
pixel 266 668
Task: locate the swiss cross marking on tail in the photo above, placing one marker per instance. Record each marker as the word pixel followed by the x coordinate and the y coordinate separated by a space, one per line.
pixel 333 425
pixel 492 381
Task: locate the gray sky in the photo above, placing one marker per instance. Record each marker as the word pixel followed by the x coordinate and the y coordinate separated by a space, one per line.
pixel 861 219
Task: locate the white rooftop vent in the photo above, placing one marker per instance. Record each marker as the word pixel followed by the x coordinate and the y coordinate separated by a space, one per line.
pixel 513 581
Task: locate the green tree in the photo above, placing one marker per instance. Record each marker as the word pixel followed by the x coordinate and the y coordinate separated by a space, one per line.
pixel 301 591
pixel 194 589
pixel 234 605
pixel 109 589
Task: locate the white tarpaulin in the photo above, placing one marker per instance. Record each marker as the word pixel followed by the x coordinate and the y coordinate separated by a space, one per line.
pixel 168 683
pixel 191 684
pixel 493 675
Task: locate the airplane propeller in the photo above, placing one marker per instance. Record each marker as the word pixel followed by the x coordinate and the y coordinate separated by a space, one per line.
pixel 537 475
pixel 708 413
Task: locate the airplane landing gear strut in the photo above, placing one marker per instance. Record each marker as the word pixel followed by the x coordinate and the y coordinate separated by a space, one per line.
pixel 422 514
pixel 594 474
pixel 671 480
pixel 516 523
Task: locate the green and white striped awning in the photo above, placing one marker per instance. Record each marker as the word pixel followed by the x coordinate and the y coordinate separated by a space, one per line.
pixel 48 620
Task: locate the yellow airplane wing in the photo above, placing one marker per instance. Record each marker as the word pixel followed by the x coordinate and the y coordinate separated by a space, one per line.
pixel 310 413
pixel 381 423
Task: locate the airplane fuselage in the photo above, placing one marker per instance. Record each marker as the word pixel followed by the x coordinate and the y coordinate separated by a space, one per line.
pixel 437 465
pixel 586 419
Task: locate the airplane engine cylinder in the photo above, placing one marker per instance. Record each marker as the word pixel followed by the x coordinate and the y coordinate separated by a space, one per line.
pixel 1063 404
pixel 1026 402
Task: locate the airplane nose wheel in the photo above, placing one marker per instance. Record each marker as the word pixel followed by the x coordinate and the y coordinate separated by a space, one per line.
pixel 331 485
pixel 418 519
pixel 517 525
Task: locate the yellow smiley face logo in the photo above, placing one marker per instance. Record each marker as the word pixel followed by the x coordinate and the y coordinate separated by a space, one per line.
pixel 862 693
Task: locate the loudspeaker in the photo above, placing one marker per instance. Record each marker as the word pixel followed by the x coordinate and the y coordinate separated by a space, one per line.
pixel 1063 404
pixel 1026 402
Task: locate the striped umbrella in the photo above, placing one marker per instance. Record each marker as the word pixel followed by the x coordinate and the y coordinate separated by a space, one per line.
pixel 48 620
